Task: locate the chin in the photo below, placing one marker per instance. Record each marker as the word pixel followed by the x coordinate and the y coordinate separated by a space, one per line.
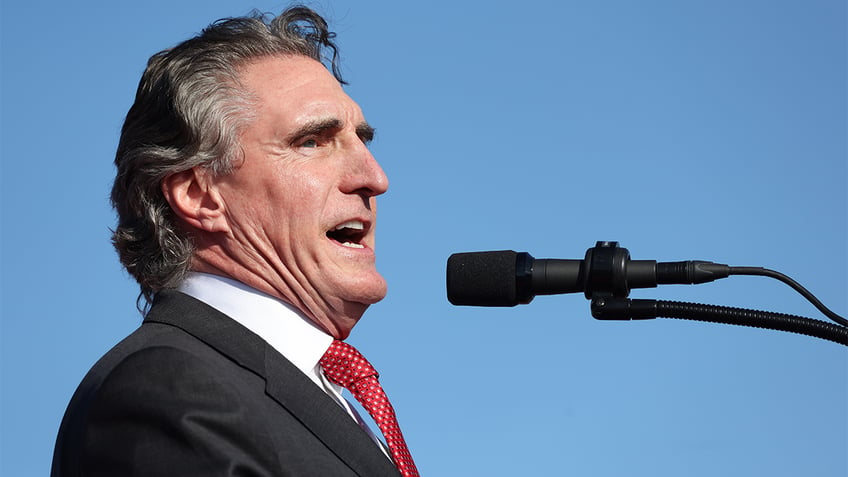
pixel 377 294
pixel 370 292
pixel 355 290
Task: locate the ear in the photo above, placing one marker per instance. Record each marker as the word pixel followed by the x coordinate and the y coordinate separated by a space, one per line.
pixel 195 199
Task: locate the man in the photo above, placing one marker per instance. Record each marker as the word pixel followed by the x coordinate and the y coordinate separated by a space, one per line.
pixel 245 194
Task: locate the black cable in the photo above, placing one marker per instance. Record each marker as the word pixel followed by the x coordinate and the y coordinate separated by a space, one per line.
pixel 795 286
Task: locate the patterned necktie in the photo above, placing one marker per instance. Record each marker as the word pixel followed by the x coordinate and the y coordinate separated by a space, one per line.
pixel 345 366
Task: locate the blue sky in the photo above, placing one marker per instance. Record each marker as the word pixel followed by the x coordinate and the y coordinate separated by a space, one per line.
pixel 713 130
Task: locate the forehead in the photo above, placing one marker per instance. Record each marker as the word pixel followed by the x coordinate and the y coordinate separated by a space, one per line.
pixel 298 88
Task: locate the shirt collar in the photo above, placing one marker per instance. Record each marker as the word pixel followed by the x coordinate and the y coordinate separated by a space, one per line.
pixel 281 325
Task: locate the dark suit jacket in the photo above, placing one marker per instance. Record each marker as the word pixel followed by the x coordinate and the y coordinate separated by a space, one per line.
pixel 193 393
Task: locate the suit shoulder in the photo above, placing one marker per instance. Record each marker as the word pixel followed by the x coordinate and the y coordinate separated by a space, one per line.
pixel 148 341
pixel 161 392
pixel 156 355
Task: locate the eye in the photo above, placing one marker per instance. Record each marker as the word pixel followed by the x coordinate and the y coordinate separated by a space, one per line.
pixel 309 143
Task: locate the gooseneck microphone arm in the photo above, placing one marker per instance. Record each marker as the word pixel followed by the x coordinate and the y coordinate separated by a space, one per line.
pixel 619 308
pixel 606 275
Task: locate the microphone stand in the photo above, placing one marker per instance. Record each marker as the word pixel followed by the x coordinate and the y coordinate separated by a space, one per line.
pixel 621 308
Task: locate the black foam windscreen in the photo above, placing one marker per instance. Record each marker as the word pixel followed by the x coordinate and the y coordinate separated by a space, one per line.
pixel 482 278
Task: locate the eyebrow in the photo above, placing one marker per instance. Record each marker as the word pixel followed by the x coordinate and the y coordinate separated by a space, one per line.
pixel 321 126
pixel 317 127
pixel 365 132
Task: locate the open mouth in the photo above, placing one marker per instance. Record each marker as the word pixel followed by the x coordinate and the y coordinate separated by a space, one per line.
pixel 349 234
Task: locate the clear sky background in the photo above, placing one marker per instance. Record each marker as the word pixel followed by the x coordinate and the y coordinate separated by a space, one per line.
pixel 700 129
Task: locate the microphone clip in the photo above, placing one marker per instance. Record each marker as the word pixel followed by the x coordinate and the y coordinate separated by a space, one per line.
pixel 607 271
pixel 607 287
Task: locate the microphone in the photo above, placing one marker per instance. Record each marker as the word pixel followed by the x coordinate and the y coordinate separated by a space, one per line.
pixel 508 278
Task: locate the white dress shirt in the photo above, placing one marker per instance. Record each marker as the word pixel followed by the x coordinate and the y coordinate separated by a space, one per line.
pixel 281 325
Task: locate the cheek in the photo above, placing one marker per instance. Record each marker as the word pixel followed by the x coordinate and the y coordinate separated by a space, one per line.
pixel 308 194
pixel 293 198
pixel 303 200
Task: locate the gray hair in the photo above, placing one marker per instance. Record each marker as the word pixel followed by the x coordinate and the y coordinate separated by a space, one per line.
pixel 188 111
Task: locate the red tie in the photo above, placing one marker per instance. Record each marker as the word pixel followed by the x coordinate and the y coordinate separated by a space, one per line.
pixel 345 366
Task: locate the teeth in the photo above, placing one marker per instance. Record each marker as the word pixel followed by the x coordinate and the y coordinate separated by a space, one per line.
pixel 353 227
pixel 351 224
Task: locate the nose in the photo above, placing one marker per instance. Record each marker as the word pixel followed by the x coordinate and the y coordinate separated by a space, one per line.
pixel 366 177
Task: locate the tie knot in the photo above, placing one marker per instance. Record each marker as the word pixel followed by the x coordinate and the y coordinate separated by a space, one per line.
pixel 344 365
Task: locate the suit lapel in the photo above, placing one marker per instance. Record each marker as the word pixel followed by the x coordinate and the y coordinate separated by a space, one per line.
pixel 283 381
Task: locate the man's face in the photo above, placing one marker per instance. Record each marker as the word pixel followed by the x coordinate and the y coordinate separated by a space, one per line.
pixel 301 206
